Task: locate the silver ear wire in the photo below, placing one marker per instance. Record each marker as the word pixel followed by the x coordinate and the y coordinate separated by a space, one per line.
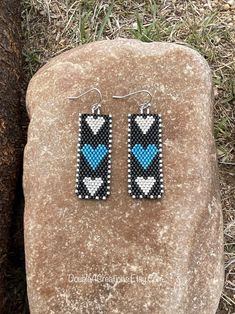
pixel 96 107
pixel 146 105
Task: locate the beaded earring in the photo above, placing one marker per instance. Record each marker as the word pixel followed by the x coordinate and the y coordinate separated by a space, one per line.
pixel 94 152
pixel 145 175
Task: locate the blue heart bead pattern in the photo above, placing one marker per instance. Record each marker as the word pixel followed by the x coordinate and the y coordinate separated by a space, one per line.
pixel 145 155
pixel 145 173
pixel 94 156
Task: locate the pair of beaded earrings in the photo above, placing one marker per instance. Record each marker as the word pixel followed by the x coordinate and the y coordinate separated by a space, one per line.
pixel 145 177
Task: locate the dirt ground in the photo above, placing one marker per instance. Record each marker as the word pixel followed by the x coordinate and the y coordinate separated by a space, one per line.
pixel 53 26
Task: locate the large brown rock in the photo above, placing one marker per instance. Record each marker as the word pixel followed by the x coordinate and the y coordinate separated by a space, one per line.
pixel 175 243
pixel 10 131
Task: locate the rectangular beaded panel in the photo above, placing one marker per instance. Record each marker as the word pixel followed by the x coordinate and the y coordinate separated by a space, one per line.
pixel 145 177
pixel 94 156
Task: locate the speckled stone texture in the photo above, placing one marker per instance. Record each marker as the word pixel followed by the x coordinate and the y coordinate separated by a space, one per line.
pixel 169 251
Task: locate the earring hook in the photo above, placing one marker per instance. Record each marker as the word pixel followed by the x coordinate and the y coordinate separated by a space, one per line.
pixel 143 106
pixel 97 105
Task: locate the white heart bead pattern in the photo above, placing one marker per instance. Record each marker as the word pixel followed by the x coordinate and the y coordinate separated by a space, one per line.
pixel 144 123
pixel 145 184
pixel 92 185
pixel 95 123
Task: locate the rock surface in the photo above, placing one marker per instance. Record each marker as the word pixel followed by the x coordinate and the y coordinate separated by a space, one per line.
pixel 166 256
pixel 10 130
